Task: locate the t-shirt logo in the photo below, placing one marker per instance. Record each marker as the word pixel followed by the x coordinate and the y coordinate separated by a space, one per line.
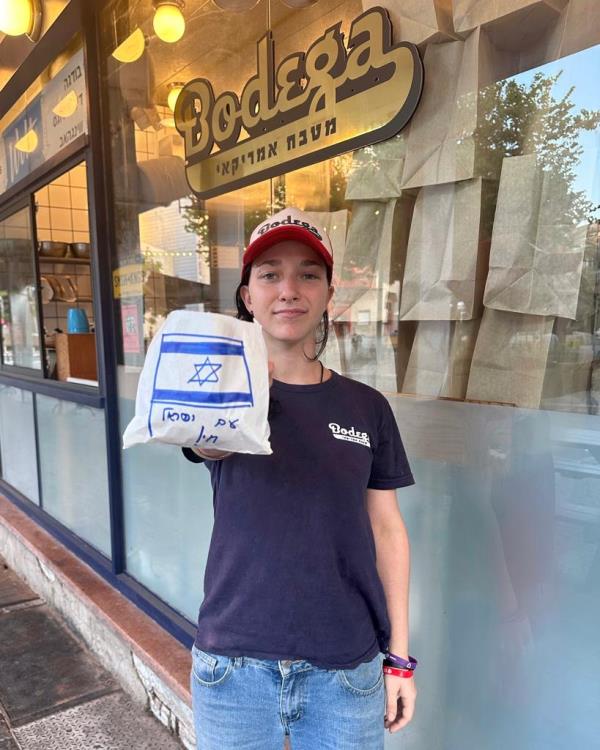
pixel 351 434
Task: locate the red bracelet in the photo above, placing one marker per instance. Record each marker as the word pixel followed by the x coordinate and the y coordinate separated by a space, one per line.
pixel 398 672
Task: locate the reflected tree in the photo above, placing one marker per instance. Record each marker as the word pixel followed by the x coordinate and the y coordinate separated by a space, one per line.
pixel 528 118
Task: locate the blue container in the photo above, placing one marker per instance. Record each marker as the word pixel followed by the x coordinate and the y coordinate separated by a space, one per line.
pixel 77 321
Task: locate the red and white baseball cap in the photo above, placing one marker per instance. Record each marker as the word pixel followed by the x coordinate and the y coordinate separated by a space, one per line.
pixel 289 224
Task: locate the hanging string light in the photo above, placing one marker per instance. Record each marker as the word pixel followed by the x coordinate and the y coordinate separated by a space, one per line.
pixel 21 17
pixel 168 21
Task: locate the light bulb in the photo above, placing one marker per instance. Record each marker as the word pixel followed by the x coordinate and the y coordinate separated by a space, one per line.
pixel 132 48
pixel 21 17
pixel 16 17
pixel 168 21
pixel 174 91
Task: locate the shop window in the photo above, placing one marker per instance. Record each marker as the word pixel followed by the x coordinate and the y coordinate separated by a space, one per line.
pixel 476 224
pixel 18 294
pixel 17 441
pixel 64 260
pixel 466 274
pixel 73 469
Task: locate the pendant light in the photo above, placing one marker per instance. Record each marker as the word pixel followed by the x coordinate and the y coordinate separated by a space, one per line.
pixel 174 91
pixel 168 21
pixel 21 17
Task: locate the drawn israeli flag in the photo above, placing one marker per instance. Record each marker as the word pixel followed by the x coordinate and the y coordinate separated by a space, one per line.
pixel 197 370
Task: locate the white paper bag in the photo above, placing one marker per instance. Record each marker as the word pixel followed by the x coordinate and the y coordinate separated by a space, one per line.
pixel 204 384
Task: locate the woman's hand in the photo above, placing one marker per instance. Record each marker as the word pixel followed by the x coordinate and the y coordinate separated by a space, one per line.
pixel 213 455
pixel 401 694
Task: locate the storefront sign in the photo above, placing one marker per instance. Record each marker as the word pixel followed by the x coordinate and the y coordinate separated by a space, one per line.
pixel 331 99
pixel 56 116
pixel 128 281
pixel 22 144
pixel 64 106
pixel 130 318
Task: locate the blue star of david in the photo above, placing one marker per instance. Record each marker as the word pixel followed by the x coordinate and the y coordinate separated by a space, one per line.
pixel 211 373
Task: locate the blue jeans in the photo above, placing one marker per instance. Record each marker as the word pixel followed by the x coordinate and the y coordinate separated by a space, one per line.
pixel 251 704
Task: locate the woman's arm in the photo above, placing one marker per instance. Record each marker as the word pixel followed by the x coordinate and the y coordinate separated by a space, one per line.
pixel 393 566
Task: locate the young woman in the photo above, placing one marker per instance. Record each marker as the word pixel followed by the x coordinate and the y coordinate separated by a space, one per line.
pixel 306 581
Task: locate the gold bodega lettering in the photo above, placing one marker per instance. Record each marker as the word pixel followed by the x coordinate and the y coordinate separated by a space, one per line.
pixel 333 98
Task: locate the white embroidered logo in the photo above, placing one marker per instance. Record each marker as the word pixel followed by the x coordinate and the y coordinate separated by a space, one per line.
pixel 350 434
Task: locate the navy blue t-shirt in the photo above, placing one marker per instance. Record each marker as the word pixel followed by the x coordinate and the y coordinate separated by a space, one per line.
pixel 291 570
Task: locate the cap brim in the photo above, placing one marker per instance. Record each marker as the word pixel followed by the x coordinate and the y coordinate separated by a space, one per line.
pixel 279 234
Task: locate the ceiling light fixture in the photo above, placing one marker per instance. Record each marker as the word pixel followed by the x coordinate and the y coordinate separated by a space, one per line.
pixel 174 91
pixel 168 21
pixel 21 17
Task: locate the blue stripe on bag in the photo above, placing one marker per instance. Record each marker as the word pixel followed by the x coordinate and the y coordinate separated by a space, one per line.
pixel 173 344
pixel 200 399
pixel 190 347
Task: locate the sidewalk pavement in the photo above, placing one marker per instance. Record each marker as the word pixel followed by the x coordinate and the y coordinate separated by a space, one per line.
pixel 53 691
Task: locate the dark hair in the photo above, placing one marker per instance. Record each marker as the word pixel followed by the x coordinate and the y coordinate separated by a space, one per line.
pixel 244 314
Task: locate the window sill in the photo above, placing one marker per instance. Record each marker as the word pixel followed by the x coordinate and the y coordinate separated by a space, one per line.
pixel 77 392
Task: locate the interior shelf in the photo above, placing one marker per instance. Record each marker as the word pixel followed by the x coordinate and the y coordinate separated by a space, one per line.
pixel 67 301
pixel 75 261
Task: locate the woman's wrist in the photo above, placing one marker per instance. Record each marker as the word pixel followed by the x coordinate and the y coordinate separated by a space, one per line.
pixel 398 666
pixel 398 648
pixel 400 662
pixel 397 672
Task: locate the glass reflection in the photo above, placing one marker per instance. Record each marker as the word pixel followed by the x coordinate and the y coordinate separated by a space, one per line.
pixel 466 266
pixel 18 294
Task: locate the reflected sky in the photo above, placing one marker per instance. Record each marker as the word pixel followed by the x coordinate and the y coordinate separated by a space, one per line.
pixel 580 71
